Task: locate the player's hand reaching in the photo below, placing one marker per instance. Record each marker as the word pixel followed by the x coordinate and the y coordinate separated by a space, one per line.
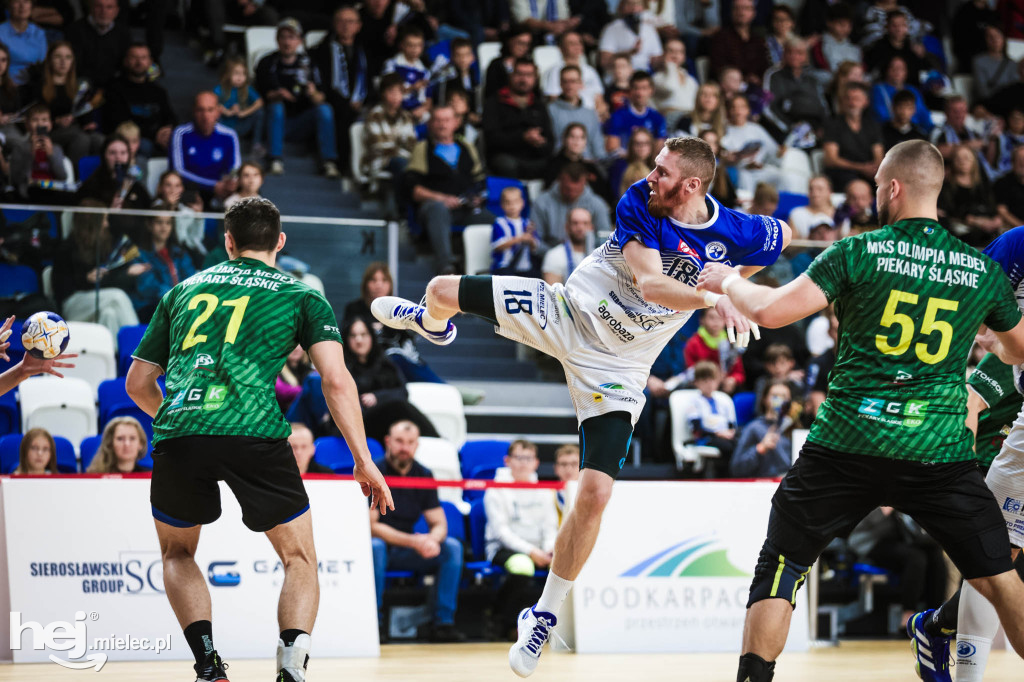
pixel 372 482
pixel 737 326
pixel 31 365
pixel 5 333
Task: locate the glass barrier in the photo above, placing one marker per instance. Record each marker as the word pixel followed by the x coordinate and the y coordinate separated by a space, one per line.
pixel 103 265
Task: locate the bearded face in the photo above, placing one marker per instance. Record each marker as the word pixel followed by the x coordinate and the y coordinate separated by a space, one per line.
pixel 664 199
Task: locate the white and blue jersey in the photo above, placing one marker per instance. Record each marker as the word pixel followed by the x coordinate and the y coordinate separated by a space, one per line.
pixel 604 289
pixel 518 256
pixel 411 72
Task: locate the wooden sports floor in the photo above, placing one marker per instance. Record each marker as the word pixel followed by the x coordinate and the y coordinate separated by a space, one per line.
pixel 851 661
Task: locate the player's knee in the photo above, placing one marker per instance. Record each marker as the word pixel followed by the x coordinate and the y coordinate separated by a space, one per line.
pixel 776 576
pixel 592 499
pixel 443 290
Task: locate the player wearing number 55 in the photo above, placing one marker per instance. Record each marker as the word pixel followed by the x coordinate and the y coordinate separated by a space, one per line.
pixel 29 365
pixel 222 336
pixel 910 298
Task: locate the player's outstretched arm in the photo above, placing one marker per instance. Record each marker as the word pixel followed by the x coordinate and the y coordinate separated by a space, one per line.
pixel 1008 346
pixel 763 305
pixel 30 366
pixel 343 402
pixel 142 386
pixel 658 288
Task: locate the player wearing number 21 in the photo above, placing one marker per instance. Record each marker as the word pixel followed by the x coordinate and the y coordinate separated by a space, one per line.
pixel 891 432
pixel 221 336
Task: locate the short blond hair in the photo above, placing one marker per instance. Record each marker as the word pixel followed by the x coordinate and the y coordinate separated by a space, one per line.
pixel 695 159
pixel 917 164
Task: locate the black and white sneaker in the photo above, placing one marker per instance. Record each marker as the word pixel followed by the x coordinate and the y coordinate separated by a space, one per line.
pixel 213 669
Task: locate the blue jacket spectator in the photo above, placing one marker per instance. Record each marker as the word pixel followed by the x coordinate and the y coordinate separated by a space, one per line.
pixel 882 105
pixel 205 152
pixel 765 449
pixel 168 264
pixel 637 114
pixel 25 40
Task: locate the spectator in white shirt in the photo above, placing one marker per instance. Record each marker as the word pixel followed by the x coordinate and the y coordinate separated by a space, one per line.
pixel 560 261
pixel 819 209
pixel 675 90
pixel 521 528
pixel 634 33
pixel 711 413
pixel 748 146
pixel 592 93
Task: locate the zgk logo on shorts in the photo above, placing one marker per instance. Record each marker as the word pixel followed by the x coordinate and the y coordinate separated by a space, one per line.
pixel 613 324
pixel 890 411
pixel 1011 505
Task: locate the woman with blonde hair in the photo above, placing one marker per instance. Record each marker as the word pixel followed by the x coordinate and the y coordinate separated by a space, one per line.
pixel 639 159
pixel 37 454
pixel 123 445
pixel 708 112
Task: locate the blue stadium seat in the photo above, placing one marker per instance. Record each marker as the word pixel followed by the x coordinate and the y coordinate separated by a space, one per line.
pixel 334 453
pixel 485 472
pixel 67 463
pixel 17 279
pixel 9 447
pixel 20 215
pixel 86 166
pixel 482 453
pixel 87 450
pixel 375 448
pixel 10 414
pixel 746 407
pixel 128 338
pixel 478 529
pixel 787 202
pixel 115 402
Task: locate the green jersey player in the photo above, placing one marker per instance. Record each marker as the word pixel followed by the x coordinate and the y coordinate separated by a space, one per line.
pixel 221 337
pixel 910 298
pixel 992 406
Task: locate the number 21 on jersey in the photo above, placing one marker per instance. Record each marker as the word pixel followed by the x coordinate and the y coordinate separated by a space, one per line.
pixel 210 303
pixel 929 326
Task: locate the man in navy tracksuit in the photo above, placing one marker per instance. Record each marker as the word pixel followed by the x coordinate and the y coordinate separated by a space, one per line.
pixel 205 152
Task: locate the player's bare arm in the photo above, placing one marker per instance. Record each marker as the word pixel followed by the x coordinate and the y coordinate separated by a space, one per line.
pixel 343 402
pixel 1008 346
pixel 763 305
pixel 142 386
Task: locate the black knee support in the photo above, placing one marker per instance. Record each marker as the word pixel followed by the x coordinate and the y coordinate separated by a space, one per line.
pixel 476 297
pixel 776 577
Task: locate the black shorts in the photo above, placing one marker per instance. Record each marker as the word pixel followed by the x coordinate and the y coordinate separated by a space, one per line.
pixel 826 493
pixel 261 472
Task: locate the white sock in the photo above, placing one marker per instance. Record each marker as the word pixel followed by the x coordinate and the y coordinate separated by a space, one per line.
pixel 977 624
pixel 292 659
pixel 555 591
pixel 432 324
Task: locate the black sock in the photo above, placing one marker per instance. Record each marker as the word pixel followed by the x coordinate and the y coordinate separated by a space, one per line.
pixel 753 668
pixel 289 636
pixel 943 621
pixel 199 636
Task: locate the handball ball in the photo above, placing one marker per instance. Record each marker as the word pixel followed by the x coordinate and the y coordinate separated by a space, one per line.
pixel 45 335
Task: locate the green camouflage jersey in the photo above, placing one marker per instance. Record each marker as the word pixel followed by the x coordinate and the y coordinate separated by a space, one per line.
pixel 992 380
pixel 221 337
pixel 910 298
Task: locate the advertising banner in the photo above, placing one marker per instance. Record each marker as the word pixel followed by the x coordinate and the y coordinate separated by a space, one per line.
pixel 672 569
pixel 86 580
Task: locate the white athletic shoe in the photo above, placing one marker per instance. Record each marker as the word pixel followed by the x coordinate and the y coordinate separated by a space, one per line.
pixel 400 313
pixel 292 660
pixel 534 628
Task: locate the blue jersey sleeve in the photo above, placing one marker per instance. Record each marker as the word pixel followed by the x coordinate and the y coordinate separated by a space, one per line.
pixel 764 235
pixel 1008 251
pixel 634 221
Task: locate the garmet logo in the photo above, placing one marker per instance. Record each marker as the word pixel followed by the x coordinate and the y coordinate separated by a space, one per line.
pixel 696 557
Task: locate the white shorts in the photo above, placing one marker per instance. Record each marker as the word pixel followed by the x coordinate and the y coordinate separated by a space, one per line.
pixel 1006 481
pixel 539 315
